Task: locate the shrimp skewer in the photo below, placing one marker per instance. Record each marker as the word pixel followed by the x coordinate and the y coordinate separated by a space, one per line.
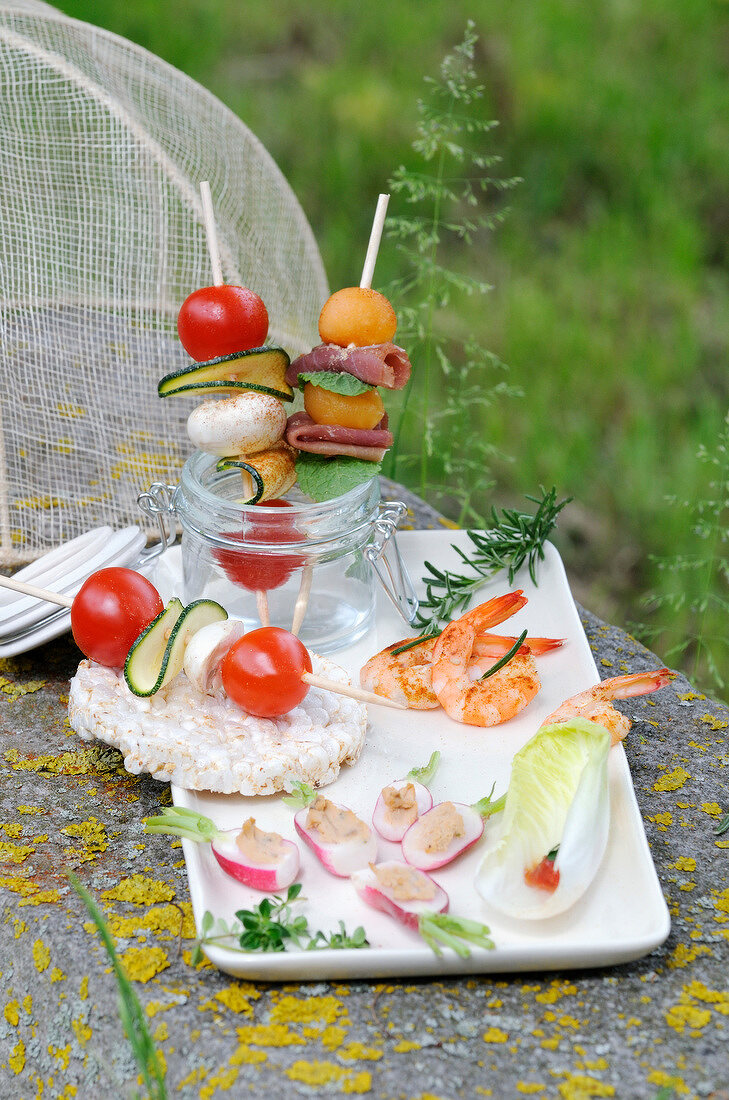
pixel 406 677
pixel 477 702
pixel 594 703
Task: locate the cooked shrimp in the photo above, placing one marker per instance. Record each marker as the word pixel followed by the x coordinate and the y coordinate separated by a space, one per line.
pixel 479 702
pixel 496 645
pixel 406 677
pixel 595 702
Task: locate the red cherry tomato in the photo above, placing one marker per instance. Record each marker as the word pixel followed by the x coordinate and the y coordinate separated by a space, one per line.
pixel 254 569
pixel 262 671
pixel 110 611
pixel 220 320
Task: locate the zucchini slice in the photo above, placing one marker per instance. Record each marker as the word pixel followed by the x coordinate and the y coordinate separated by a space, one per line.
pixel 260 369
pixel 253 473
pixel 159 652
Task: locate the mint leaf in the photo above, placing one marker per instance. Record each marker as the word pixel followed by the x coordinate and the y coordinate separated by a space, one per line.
pixel 323 477
pixel 336 381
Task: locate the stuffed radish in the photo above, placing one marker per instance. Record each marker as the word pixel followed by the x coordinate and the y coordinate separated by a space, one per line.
pixel 417 901
pixel 442 834
pixel 554 828
pixel 402 802
pixel 261 860
pixel 340 840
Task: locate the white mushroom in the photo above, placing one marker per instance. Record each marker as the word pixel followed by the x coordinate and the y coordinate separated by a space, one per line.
pixel 205 651
pixel 240 425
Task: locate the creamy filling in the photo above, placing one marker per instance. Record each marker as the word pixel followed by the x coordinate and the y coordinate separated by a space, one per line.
pixel 335 824
pixel 404 883
pixel 258 846
pixel 441 827
pixel 401 805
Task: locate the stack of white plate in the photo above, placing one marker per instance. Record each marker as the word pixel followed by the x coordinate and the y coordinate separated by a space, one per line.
pixel 26 622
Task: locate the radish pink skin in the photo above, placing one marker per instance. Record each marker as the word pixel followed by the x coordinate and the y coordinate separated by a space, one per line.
pixel 341 860
pixel 430 861
pixel 258 876
pixel 388 831
pixel 365 883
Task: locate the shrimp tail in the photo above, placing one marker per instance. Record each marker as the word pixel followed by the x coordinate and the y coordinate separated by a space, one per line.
pixel 635 683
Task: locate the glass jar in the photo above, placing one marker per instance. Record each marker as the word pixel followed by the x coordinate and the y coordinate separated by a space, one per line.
pixel 282 562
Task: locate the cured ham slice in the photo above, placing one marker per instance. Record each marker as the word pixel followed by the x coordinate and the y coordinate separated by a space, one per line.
pixel 376 365
pixel 331 439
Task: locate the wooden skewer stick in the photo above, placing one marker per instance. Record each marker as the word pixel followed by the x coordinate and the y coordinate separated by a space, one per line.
pixel 212 237
pixel 38 593
pixel 347 689
pixel 214 250
pixel 365 282
pixel 307 574
pixel 374 243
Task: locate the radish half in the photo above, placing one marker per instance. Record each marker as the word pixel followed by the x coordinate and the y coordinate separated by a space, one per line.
pixel 442 834
pixel 354 850
pixel 392 820
pixel 261 860
pixel 408 911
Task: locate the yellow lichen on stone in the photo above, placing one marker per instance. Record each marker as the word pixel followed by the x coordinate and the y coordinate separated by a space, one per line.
pixel 359 1052
pixel 93 835
pixel 672 781
pixel 662 820
pixel 81 1029
pixel 295 1010
pixel 40 897
pixel 406 1045
pixel 14 853
pixel 12 1013
pixel 332 1036
pixel 667 1081
pixel 578 1087
pixel 685 863
pixel 714 723
pixel 223 1080
pixel 244 1056
pixel 268 1035
pixel 326 1073
pixel 529 1088
pixel 140 891
pixel 16 1061
pixel 713 809
pixel 142 963
pixel 15 690
pixel 236 998
pixel 682 955
pixel 557 989
pixel 681 1016
pixel 41 956
pixel 495 1035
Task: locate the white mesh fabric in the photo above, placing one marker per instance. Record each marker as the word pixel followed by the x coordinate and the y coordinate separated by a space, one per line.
pixel 102 149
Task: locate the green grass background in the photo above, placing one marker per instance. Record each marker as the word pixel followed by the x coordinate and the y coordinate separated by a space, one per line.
pixel 611 273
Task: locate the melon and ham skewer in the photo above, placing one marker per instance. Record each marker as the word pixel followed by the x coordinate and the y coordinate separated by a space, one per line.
pixel 344 416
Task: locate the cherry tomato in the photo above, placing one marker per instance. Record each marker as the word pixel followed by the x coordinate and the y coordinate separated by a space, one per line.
pixel 262 671
pixel 220 320
pixel 110 611
pixel 254 569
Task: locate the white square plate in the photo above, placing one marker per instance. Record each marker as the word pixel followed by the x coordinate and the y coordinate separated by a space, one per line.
pixel 622 916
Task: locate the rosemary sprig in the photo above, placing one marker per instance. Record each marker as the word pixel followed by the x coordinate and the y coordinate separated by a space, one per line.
pixel 514 538
pixel 271 926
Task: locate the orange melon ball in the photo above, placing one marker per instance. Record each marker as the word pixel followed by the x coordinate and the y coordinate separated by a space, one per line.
pixel 365 410
pixel 357 315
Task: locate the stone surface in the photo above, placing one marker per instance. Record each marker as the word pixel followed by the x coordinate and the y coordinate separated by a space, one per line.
pixel 628 1031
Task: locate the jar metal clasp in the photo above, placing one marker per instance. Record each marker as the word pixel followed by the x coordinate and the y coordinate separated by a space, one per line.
pixel 383 554
pixel 157 504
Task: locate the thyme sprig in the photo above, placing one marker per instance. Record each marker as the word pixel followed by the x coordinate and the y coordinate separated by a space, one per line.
pixel 272 926
pixel 513 539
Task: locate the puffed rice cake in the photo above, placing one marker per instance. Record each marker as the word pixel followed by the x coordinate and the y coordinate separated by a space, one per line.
pixel 208 743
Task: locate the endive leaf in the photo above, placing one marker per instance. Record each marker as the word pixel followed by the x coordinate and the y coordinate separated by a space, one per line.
pixel 557 798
